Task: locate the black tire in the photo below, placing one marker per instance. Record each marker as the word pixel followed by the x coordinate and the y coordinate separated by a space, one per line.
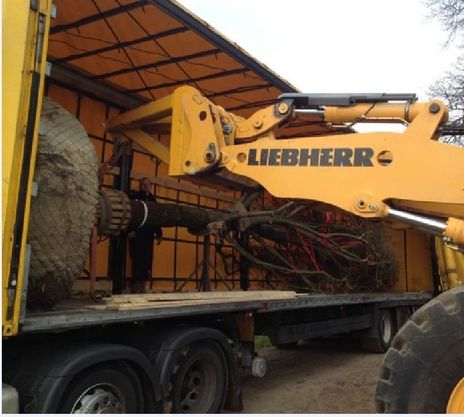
pixel 63 212
pixel 110 389
pixel 198 382
pixel 426 359
pixel 380 337
pixel 403 314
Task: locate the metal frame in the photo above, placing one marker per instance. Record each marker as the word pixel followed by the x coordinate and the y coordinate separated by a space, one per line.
pixel 190 22
pixel 158 64
pixel 191 80
pixel 98 16
pixel 126 44
pixel 68 78
pixel 67 320
pixel 197 26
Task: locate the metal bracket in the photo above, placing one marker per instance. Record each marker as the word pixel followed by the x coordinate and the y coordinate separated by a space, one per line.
pixel 27 263
pixel 41 128
pixel 35 188
pixel 48 69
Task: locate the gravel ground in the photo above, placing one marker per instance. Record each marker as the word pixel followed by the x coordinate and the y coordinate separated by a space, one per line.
pixel 314 379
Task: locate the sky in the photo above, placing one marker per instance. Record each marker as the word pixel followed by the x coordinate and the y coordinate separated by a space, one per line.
pixel 337 46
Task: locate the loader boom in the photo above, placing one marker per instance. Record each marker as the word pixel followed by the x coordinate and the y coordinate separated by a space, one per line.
pixel 407 176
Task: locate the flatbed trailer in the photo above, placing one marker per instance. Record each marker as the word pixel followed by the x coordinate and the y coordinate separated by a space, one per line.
pixel 76 314
pixel 81 356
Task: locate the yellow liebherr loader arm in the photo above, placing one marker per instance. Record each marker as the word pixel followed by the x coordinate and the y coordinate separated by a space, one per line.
pixel 409 176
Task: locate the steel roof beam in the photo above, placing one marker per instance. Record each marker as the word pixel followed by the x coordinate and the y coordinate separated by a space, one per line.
pixel 159 63
pixel 126 44
pixel 259 104
pixel 99 16
pixel 182 82
pixel 204 31
pixel 87 85
pixel 238 90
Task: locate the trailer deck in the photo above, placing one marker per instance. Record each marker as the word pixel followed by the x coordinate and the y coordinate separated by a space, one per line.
pixel 74 314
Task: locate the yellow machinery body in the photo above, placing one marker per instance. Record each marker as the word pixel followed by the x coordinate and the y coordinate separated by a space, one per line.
pixel 372 175
pixel 25 34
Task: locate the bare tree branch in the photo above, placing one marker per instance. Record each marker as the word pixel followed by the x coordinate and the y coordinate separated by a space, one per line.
pixel 450 13
pixel 450 88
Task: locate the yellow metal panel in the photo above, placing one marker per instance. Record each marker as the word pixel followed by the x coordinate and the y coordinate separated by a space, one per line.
pixel 407 177
pixel 450 266
pixel 376 167
pixel 419 261
pixel 148 113
pixel 20 35
pixel 15 18
pixel 15 21
pixel 186 260
pixel 163 265
pixel 396 240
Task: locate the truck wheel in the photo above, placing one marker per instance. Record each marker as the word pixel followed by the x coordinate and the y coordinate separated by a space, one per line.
pixel 198 380
pixel 103 390
pixel 402 315
pixel 63 212
pixel 379 338
pixel 424 368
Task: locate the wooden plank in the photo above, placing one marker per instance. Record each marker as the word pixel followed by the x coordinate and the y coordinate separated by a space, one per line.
pixel 213 295
pixel 147 305
pixel 96 307
pixel 179 303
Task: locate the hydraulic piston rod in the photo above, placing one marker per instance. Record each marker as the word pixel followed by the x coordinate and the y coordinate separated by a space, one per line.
pixel 430 225
pixel 451 231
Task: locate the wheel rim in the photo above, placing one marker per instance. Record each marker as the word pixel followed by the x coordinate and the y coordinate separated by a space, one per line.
pixel 101 398
pixel 386 329
pixel 199 387
pixel 456 400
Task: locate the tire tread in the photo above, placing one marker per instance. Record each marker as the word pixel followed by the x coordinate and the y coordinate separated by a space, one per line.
pixel 416 367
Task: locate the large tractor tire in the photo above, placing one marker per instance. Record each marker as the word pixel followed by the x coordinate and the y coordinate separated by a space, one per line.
pixel 423 371
pixel 63 212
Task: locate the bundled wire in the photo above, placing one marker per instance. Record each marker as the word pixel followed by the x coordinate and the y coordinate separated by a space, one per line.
pixel 313 248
